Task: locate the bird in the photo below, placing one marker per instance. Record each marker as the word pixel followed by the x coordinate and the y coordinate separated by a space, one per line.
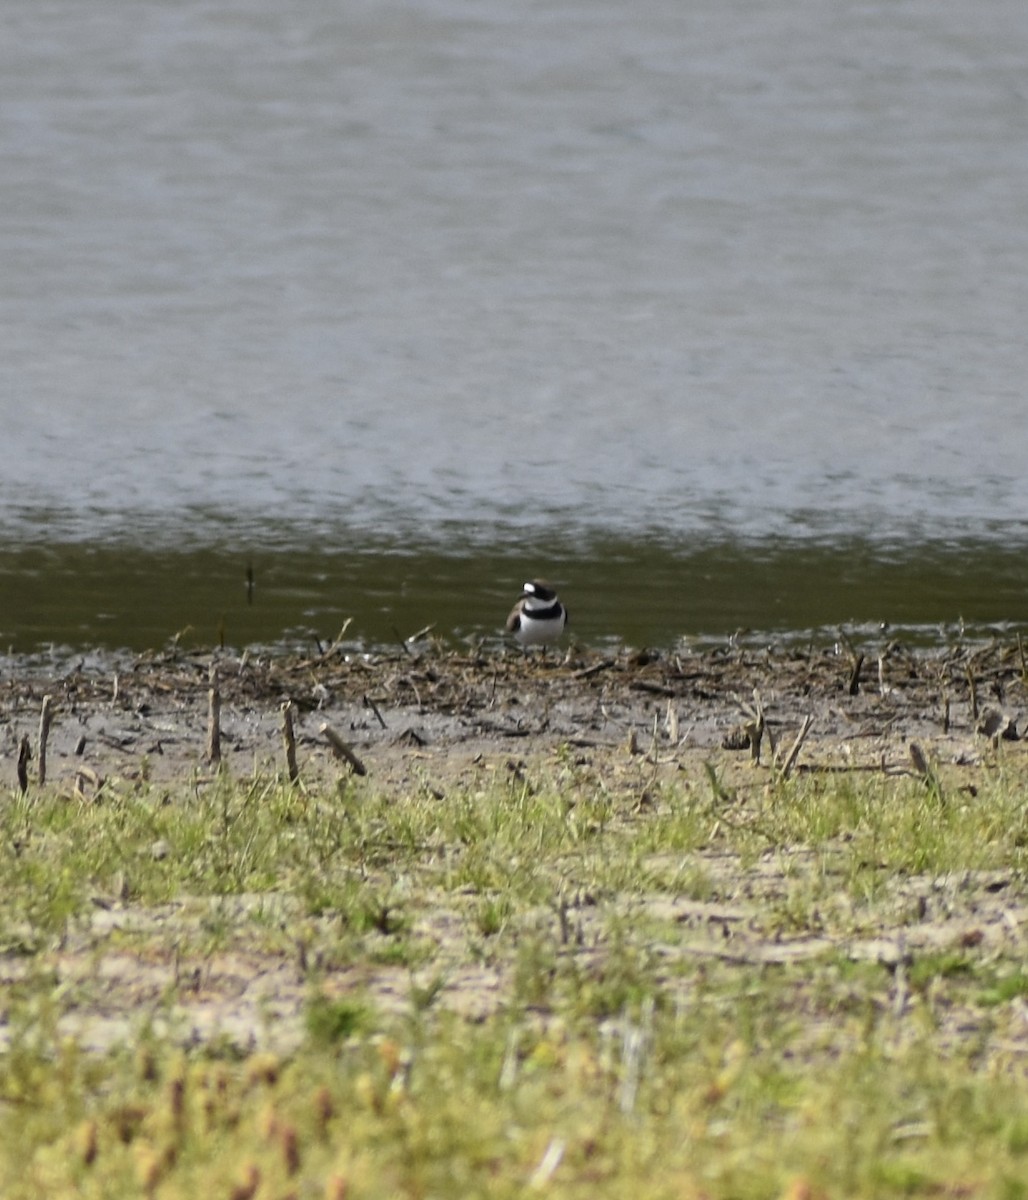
pixel 538 617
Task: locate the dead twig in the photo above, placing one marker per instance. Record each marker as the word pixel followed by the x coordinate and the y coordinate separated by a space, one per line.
pixel 671 723
pixel 289 741
pixel 341 749
pixel 338 640
pixel 801 737
pixel 585 672
pixel 24 754
pixel 854 684
pixel 214 719
pixel 45 717
pixel 756 725
pixel 370 703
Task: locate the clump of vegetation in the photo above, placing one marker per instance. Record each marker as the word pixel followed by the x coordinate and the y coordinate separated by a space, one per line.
pixel 577 975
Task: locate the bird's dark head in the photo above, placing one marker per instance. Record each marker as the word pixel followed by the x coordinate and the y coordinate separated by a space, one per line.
pixel 540 590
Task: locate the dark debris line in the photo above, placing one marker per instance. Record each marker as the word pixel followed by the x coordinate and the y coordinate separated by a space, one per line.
pixel 435 675
pixel 977 687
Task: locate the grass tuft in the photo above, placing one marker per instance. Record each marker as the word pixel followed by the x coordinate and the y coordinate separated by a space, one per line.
pixel 579 975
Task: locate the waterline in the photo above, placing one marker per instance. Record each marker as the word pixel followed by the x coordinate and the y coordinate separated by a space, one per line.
pixel 625 590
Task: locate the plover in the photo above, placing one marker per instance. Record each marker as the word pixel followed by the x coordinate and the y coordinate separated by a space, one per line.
pixel 538 617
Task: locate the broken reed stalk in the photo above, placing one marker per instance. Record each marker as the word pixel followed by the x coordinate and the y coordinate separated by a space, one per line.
pixel 370 703
pixel 45 717
pixel 853 687
pixel 289 741
pixel 973 689
pixel 594 669
pixel 755 727
pixel 671 723
pixel 338 639
pixel 801 737
pixel 342 750
pixel 214 719
pixel 24 754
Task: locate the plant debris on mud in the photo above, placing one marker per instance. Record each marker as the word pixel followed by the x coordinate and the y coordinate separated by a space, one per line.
pixel 802 852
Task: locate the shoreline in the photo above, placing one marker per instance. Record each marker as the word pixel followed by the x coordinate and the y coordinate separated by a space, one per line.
pixel 148 716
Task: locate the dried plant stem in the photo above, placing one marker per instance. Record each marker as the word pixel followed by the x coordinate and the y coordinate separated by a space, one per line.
pixel 756 727
pixel 801 737
pixel 214 719
pixel 45 717
pixel 370 703
pixel 289 741
pixel 973 690
pixel 853 687
pixel 342 750
pixel 24 754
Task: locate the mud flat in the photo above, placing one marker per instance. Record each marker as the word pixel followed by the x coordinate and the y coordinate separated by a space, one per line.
pixel 677 760
pixel 148 715
pixel 745 922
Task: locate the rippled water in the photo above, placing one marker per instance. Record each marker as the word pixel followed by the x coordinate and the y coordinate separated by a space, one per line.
pixel 514 281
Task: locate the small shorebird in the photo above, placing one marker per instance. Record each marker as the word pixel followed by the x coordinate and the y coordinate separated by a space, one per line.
pixel 538 617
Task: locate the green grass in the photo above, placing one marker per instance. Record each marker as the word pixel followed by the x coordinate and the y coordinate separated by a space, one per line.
pixel 579 978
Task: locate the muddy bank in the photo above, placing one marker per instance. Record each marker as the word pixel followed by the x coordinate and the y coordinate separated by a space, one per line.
pixel 150 715
pixel 426 719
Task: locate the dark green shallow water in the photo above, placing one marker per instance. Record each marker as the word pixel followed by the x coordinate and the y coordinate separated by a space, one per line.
pixel 639 591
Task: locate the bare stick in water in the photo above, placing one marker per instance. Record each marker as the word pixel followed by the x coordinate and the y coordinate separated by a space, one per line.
pixel 45 717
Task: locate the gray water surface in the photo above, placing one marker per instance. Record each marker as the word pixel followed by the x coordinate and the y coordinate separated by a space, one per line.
pixel 508 284
pixel 692 267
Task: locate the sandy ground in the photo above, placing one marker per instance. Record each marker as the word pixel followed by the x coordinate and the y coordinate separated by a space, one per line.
pixel 425 716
